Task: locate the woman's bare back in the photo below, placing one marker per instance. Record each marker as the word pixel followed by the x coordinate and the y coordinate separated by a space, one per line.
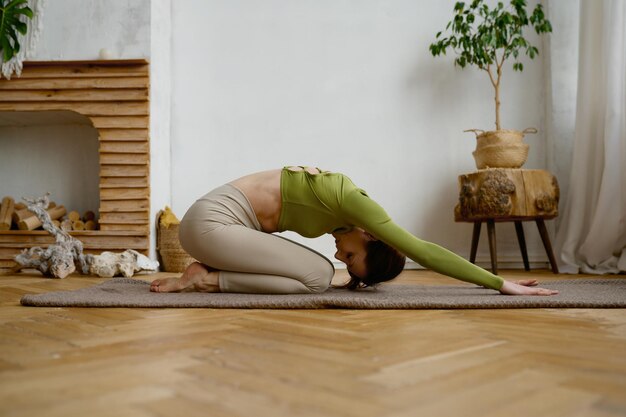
pixel 263 192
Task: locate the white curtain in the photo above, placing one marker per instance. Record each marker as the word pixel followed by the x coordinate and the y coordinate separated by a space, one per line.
pixel 591 236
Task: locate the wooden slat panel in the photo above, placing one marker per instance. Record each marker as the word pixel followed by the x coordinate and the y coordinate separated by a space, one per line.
pixel 115 96
pixel 124 171
pixel 124 147
pixel 113 108
pixel 123 135
pixel 9 253
pixel 8 235
pixel 124 158
pixel 100 244
pixel 114 227
pixel 15 238
pixel 122 122
pixel 124 182
pixel 74 83
pixel 73 95
pixel 125 217
pixel 27 239
pixel 136 222
pixel 113 206
pixel 89 62
pixel 78 71
pixel 124 193
pixel 114 243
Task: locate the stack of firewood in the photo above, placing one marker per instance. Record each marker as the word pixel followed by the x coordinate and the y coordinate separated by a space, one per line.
pixel 15 216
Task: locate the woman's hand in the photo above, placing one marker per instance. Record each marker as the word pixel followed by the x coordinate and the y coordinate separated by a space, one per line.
pixel 522 287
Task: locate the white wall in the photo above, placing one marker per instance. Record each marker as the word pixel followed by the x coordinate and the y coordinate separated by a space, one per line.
pixel 160 111
pixel 55 152
pixel 344 85
pixel 79 29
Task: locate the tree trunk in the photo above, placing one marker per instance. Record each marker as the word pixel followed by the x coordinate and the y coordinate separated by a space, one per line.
pixel 497 98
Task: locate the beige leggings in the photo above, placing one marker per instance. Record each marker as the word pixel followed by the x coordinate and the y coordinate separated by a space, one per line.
pixel 221 231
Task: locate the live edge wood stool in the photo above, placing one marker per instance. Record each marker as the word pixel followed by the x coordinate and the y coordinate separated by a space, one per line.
pixel 508 195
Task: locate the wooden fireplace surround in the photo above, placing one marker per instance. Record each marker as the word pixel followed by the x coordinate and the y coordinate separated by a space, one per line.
pixel 114 95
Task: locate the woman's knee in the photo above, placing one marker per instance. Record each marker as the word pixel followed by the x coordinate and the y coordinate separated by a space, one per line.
pixel 320 278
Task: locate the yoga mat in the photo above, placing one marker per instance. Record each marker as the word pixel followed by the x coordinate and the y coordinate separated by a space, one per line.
pixel 124 292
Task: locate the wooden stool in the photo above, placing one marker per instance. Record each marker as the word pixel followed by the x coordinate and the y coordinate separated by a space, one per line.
pixel 508 195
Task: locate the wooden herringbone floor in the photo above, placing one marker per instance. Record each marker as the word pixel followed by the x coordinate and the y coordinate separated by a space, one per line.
pixel 201 362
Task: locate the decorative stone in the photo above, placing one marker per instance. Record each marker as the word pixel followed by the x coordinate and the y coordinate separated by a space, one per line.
pixel 127 263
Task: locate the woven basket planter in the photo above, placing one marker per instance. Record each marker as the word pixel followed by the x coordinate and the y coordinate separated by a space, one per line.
pixel 172 256
pixel 501 148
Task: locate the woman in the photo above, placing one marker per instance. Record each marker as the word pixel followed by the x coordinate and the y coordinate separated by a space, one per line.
pixel 230 232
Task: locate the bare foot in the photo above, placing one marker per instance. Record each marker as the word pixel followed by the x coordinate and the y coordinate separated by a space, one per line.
pixel 195 278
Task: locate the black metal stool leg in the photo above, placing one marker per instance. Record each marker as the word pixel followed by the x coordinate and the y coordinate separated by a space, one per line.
pixel 475 238
pixel 519 229
pixel 545 238
pixel 491 231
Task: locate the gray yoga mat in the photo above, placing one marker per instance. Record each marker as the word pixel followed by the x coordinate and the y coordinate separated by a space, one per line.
pixel 124 292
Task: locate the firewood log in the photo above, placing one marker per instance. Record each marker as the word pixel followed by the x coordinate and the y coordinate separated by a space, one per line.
pixel 89 215
pixel 78 225
pixel 6 213
pixel 73 215
pixel 21 214
pixel 31 223
pixel 90 225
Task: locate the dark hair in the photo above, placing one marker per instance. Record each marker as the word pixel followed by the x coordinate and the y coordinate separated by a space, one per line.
pixel 382 263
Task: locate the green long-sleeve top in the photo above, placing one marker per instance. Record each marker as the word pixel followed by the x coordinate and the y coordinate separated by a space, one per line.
pixel 316 204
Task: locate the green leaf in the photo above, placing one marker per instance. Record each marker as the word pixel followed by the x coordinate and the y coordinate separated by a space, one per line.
pixel 21 27
pixel 481 34
pixel 6 48
pixel 10 23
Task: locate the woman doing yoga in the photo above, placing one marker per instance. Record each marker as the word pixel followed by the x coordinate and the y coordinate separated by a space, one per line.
pixel 230 231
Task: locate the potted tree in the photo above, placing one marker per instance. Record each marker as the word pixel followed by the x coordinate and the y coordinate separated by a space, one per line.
pixel 486 38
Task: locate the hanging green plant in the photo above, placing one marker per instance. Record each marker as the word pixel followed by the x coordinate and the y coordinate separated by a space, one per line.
pixel 10 25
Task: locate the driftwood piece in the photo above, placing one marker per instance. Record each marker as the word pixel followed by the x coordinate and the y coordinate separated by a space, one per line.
pixel 502 193
pixel 59 259
pixel 127 263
